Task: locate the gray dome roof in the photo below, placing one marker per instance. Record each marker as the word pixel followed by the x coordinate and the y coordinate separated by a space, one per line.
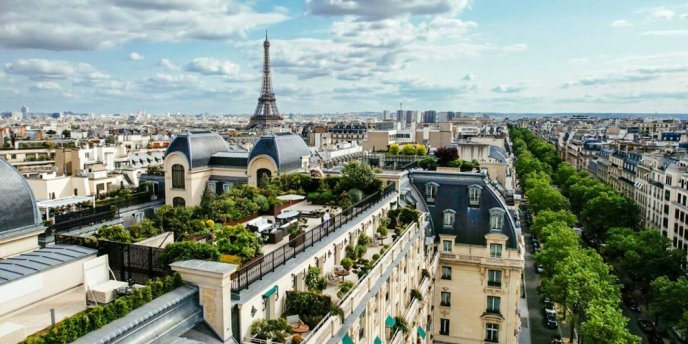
pixel 198 147
pixel 285 148
pixel 17 204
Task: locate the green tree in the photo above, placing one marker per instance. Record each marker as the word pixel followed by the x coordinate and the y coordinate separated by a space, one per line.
pixel 174 219
pixel 563 173
pixel 608 210
pixel 393 149
pixel 546 217
pixel 545 197
pixel 314 280
pixel 605 324
pixel 669 300
pixel 66 133
pixel 114 233
pixel 561 241
pixel 421 150
pixel 408 149
pixel 111 139
pixel 358 175
pixel 144 229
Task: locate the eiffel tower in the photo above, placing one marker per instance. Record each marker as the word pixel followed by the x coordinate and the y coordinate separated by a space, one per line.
pixel 266 114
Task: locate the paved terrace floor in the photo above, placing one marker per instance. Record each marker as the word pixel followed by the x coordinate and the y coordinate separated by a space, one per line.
pixel 37 316
pixel 271 278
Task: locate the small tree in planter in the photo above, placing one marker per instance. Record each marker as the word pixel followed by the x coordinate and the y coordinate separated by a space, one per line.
pixel 347 263
pixel 415 293
pixel 400 324
pixel 361 250
pixel 314 280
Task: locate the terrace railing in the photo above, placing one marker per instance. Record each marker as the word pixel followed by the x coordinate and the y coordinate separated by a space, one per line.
pixel 255 270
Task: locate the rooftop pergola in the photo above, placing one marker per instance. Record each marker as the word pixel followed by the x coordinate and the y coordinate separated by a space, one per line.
pixel 45 206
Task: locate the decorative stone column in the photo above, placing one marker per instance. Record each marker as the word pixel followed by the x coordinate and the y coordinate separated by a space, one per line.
pixel 214 283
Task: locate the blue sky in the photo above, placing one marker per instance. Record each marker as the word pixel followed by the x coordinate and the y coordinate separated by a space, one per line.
pixel 345 55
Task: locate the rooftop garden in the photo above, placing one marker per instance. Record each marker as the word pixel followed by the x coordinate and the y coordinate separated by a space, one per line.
pixel 448 157
pixel 407 149
pixel 72 328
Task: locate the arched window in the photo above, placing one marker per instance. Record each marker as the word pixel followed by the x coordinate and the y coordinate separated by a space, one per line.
pixel 496 219
pixel 449 216
pixel 431 191
pixel 474 195
pixel 178 176
pixel 178 202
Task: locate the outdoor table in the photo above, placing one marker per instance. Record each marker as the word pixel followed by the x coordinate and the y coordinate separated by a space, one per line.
pixel 341 273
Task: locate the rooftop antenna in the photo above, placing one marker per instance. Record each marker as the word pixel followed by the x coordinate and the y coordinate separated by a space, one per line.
pixel 266 35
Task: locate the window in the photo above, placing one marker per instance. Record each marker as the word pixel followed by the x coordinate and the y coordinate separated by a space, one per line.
pixel 178 176
pixel 496 250
pixel 178 202
pixel 431 191
pixel 449 216
pixel 493 304
pixel 445 299
pixel 226 187
pixel 446 273
pixel 212 186
pixel 474 195
pixel 494 278
pixel 492 333
pixel 447 245
pixel 496 219
pixel 444 327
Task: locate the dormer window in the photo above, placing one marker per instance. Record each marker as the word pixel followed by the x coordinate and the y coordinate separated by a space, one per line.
pixel 474 195
pixel 431 191
pixel 449 216
pixel 496 219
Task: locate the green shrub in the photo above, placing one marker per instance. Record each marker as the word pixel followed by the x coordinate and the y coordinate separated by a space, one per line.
pixel 376 257
pixel 314 280
pixel 364 240
pixel 415 293
pixel 355 195
pixel 382 231
pixel 361 250
pixel 97 317
pixel 347 262
pixel 122 307
pixel 114 233
pixel 344 288
pixel 350 252
pixel 311 307
pixel 187 250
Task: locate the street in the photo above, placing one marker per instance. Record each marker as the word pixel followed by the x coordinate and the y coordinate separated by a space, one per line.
pixel 538 332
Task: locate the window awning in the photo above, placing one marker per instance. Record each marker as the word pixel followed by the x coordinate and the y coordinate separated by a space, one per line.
pixel 270 292
pixel 421 332
pixel 377 340
pixel 390 321
pixel 347 340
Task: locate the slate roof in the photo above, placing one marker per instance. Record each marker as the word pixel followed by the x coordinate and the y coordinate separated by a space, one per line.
pixel 198 147
pixel 471 224
pixel 286 149
pixel 31 263
pixel 17 204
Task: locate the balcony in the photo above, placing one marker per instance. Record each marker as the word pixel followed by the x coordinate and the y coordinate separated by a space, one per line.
pixel 486 261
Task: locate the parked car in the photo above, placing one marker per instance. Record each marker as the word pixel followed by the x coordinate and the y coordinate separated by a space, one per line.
pixel 632 304
pixel 549 308
pixel 539 269
pixel 646 325
pixel 551 321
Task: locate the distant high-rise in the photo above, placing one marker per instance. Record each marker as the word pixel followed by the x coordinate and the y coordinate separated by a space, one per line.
pixel 430 116
pixel 24 111
pixel 266 114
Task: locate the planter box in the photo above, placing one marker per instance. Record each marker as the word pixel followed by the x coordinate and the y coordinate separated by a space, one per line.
pixel 297 240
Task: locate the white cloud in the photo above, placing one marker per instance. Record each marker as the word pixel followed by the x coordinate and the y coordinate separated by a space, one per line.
pixel 212 66
pixel 134 56
pixel 628 75
pixel 41 69
pixel 98 24
pixel 468 77
pixel 167 64
pixel 382 9
pixel 579 61
pixel 663 13
pixel 509 88
pixel 666 33
pixel 621 23
pixel 45 86
pixel 515 48
pixel 684 16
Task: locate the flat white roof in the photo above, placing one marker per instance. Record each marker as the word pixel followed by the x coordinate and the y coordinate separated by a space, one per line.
pixel 52 203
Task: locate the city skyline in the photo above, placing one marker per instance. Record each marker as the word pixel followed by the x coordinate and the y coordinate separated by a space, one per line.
pixel 169 56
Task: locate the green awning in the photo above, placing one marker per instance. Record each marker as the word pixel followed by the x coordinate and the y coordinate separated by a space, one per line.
pixel 347 339
pixel 270 292
pixel 390 321
pixel 421 332
pixel 377 340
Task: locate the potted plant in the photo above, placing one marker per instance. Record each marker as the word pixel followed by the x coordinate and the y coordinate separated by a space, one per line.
pixel 296 235
pixel 347 263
